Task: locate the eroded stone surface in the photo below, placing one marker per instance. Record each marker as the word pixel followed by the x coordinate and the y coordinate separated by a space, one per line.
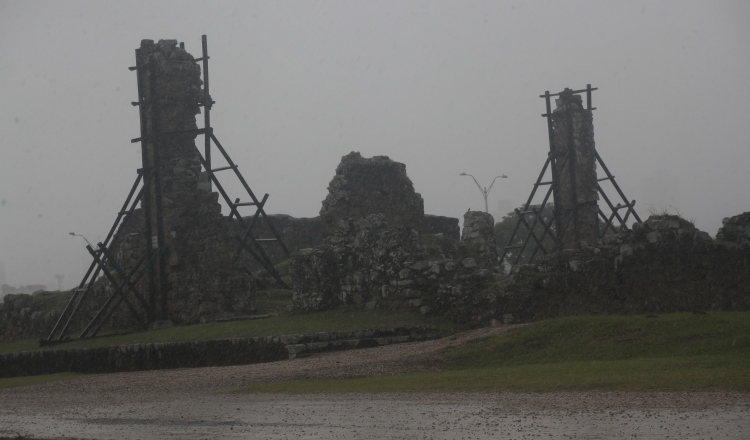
pixel 377 185
pixel 576 182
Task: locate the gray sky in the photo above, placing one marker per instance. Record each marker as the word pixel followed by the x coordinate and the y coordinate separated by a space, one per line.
pixel 443 87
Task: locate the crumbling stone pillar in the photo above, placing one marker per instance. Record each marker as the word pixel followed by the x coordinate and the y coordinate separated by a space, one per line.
pixel 479 229
pixel 576 194
pixel 193 275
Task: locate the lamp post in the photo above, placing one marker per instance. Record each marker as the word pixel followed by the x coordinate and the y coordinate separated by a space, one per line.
pixel 485 191
pixel 79 235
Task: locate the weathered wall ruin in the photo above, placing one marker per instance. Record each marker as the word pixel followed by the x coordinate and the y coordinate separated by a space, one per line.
pixel 304 233
pixel 575 176
pixel 373 254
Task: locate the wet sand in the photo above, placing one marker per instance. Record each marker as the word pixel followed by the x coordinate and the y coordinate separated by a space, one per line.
pixel 590 415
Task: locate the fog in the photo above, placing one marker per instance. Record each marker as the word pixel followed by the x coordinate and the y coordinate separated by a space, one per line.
pixel 444 87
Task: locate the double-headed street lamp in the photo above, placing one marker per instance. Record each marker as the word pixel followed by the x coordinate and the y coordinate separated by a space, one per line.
pixel 485 191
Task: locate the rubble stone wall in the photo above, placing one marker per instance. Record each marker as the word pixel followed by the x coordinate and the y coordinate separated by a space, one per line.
pixel 576 181
pixel 371 264
pixel 663 265
pixel 304 233
pixel 373 255
pixel 438 224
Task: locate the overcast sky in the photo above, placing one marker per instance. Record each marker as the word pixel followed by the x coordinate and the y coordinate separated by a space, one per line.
pixel 444 87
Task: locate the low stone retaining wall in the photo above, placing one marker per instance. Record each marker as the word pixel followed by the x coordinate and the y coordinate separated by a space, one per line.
pixel 296 350
pixel 194 354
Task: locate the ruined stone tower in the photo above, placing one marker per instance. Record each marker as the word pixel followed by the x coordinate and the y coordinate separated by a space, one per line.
pixel 576 192
pixel 193 274
pixel 578 221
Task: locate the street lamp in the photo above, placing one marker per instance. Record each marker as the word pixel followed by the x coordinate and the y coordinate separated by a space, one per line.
pixel 79 235
pixel 485 191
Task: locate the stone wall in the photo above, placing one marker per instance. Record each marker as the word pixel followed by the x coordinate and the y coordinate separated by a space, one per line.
pixel 304 233
pixel 373 255
pixel 209 353
pixel 663 265
pixel 438 224
pixel 576 184
pixel 143 357
pixel 25 316
pixel 735 232
pixel 371 264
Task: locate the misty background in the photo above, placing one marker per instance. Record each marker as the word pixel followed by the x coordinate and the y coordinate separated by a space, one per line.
pixel 442 86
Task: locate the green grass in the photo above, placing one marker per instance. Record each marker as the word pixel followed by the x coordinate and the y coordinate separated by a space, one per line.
pixel 611 338
pixel 673 352
pixel 283 323
pixel 665 374
pixel 9 382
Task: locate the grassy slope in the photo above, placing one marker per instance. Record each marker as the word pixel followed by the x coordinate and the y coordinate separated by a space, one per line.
pixel 673 352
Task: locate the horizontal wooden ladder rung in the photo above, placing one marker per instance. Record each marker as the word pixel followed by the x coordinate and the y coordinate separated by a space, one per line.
pixel 196 131
pixel 228 167
pixel 244 204
pixel 605 178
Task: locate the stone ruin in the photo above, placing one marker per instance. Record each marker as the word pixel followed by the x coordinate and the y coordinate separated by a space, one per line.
pixel 372 258
pixel 662 265
pixel 373 254
pixel 199 276
pixel 373 247
pixel 177 239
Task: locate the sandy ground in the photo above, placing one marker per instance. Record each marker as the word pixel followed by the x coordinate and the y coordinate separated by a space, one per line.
pixel 194 404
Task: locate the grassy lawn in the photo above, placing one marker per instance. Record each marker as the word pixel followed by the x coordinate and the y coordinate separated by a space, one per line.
pixel 672 352
pixel 283 323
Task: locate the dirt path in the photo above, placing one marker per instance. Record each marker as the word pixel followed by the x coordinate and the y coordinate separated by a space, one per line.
pixel 191 404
